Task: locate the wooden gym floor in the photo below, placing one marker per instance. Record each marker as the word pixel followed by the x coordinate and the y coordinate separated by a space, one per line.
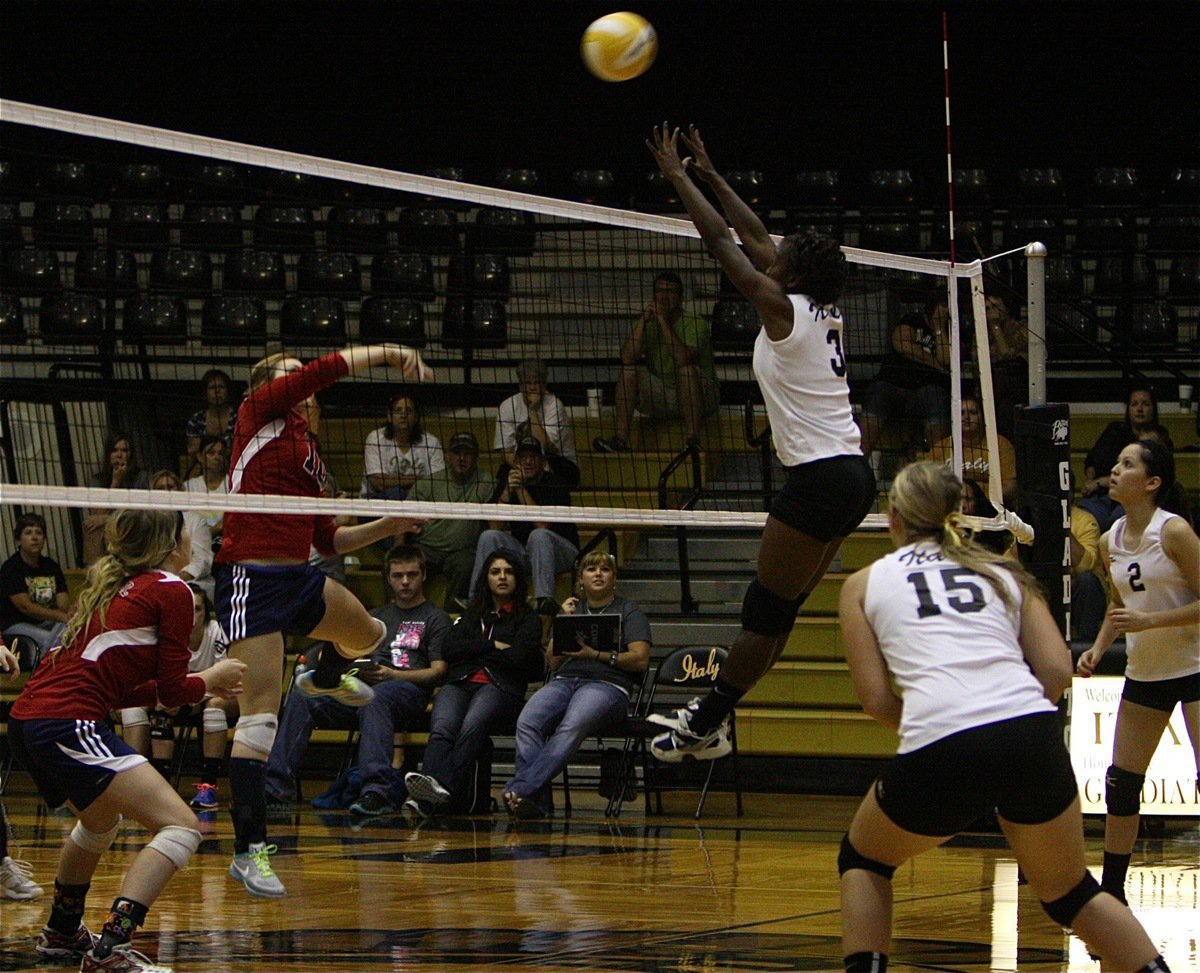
pixel 642 894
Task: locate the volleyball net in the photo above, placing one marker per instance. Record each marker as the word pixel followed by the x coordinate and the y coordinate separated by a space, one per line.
pixel 143 267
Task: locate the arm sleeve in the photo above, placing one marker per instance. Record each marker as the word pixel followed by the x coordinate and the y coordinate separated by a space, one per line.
pixel 323 530
pixel 175 686
pixel 635 627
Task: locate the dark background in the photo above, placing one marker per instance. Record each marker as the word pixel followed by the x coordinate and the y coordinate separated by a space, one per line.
pixel 773 85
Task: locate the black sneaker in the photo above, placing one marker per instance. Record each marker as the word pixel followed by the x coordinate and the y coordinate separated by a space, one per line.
pixel 372 804
pixel 614 444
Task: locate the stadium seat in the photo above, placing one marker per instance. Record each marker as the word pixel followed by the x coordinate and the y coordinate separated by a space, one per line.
pixel 817 187
pixel 971 188
pixel 11 232
pixel 66 180
pixel 62 226
pixel 216 183
pixel 1118 186
pixel 70 316
pixel 139 226
pixel 973 235
pixel 283 184
pixel 1153 324
pixel 891 187
pixel 432 229
pixel 139 181
pixel 399 319
pixel 505 230
pixel 1183 279
pixel 596 186
pixel 1039 186
pixel 735 324
pixel 1068 328
pixel 329 273
pixel 1104 231
pixel 658 195
pixel 1020 230
pixel 1134 276
pixel 488 276
pixel 357 228
pixel 313 320
pixel 750 185
pixel 12 319
pixel 212 226
pixel 405 274
pixel 92 271
pixel 486 326
pixel 233 319
pixel 517 180
pixel 31 270
pixel 1181 187
pixel 261 271
pixel 895 235
pixel 155 319
pixel 183 271
pixel 1063 275
pixel 282 227
pixel 1173 231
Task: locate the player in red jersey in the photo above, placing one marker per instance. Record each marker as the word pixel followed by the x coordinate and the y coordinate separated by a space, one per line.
pixel 126 645
pixel 266 588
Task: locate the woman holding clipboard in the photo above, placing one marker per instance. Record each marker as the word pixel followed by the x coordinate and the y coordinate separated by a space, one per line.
pixel 588 689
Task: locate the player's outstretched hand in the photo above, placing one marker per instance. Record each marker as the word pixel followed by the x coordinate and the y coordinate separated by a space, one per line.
pixel 409 362
pixel 404 525
pixel 700 163
pixel 664 146
pixel 224 679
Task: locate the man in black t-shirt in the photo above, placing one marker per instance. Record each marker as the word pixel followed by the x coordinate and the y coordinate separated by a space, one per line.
pixel 34 602
pixel 546 549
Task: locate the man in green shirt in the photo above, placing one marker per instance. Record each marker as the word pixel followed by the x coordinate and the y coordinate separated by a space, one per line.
pixel 449 545
pixel 666 367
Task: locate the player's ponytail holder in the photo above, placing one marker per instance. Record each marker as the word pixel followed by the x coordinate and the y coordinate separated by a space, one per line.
pixel 952 530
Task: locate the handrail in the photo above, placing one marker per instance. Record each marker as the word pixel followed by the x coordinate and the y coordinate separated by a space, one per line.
pixel 604 534
pixel 687 604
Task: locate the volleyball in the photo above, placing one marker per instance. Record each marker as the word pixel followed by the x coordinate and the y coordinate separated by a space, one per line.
pixel 619 46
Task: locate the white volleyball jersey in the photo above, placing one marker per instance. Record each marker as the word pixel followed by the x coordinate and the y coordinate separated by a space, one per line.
pixel 950 643
pixel 1149 581
pixel 804 387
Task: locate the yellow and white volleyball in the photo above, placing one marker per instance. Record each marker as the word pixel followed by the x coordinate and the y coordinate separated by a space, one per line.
pixel 619 46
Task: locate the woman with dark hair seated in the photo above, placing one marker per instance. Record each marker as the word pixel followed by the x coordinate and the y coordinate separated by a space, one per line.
pixel 399 452
pixel 1141 413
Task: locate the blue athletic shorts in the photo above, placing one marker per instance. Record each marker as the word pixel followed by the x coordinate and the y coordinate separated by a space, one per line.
pixel 255 599
pixel 826 498
pixel 71 760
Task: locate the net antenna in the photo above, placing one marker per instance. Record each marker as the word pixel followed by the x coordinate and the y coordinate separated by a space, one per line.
pixel 592 268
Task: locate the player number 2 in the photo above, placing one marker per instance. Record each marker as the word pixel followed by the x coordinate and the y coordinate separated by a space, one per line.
pixel 964 596
pixel 1135 577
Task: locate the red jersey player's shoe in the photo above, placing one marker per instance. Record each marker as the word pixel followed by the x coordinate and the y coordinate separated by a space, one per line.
pixel 122 959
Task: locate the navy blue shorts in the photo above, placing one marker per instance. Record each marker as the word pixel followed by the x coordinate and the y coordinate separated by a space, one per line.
pixel 1162 694
pixel 71 760
pixel 826 498
pixel 257 599
pixel 1018 767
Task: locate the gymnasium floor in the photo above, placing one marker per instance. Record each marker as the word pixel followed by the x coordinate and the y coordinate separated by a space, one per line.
pixel 645 894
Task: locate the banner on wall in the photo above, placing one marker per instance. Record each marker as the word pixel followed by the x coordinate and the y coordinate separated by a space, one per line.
pixel 1170 787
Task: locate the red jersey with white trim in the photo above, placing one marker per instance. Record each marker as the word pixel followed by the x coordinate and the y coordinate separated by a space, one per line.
pixel 273 452
pixel 138 656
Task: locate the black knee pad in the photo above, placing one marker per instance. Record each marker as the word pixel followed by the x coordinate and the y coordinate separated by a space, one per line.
pixel 1064 910
pixel 1122 791
pixel 766 613
pixel 848 858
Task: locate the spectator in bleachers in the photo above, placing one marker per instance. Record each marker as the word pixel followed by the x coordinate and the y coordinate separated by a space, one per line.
pixel 547 549
pixel 152 734
pixel 120 471
pixel 212 480
pixel 974 452
pixel 217 418
pixel 667 367
pixel 199 568
pixel 494 652
pixel 913 384
pixel 1141 412
pixel 536 413
pixel 399 452
pixel 1008 338
pixel 447 543
pixel 34 602
pixel 975 503
pixel 403 670
pixel 587 690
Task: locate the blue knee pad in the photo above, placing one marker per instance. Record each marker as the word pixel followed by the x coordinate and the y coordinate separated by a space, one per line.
pixel 1122 791
pixel 849 858
pixel 766 613
pixel 1065 909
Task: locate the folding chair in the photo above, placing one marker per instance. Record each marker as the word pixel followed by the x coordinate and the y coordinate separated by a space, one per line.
pixel 683 674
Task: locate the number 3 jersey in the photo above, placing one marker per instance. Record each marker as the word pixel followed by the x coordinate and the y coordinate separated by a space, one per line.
pixel 950 643
pixel 804 387
pixel 1149 581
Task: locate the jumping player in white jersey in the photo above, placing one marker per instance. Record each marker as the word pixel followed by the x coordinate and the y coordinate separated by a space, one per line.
pixel 1152 555
pixel 266 587
pixel 801 369
pixel 980 664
